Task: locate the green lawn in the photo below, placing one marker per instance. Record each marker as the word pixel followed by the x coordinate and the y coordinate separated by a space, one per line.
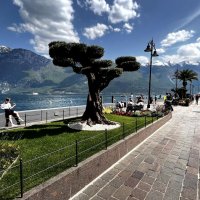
pixel 49 149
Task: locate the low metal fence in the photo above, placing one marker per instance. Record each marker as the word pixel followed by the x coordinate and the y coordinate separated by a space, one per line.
pixel 47 115
pixel 26 174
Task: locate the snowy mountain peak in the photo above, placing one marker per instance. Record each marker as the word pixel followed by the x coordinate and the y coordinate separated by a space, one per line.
pixel 4 49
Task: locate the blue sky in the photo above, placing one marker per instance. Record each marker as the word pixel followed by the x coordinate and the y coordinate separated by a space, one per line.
pixel 121 27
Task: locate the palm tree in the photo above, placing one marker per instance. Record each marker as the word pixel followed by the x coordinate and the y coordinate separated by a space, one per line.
pixel 175 76
pixel 186 75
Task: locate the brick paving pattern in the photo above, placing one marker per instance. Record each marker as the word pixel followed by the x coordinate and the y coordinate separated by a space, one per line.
pixel 164 167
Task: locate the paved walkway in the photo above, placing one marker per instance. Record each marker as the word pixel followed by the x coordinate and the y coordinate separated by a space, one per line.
pixel 164 167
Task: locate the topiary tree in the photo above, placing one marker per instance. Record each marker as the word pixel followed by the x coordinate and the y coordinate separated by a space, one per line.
pixel 86 60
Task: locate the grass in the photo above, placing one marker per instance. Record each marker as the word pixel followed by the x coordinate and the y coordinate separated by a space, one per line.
pixel 49 149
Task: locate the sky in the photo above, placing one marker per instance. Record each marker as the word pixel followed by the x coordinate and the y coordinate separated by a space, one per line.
pixel 121 27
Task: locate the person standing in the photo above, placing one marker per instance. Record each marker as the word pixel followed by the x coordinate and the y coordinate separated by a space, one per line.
pixel 8 108
pixel 197 98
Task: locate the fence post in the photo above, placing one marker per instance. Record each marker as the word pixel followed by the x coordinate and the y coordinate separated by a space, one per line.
pixel 106 138
pixel 123 130
pixel 25 119
pixel 21 177
pixel 69 112
pixel 145 121
pixel 63 114
pixel 46 116
pixel 136 124
pixel 41 115
pixel 77 112
pixel 76 146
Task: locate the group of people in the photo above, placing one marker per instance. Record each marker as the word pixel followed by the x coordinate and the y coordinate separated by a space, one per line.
pixel 7 106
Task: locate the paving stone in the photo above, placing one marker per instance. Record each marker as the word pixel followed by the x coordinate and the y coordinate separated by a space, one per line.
pixel 194 151
pixel 106 192
pixel 117 182
pixel 139 194
pixel 144 167
pixel 138 174
pixel 172 192
pixel 164 178
pixel 113 198
pixel 175 185
pixel 189 193
pixel 144 186
pixel 169 164
pixel 125 174
pixel 179 171
pixel 148 179
pixel 177 177
pixel 131 198
pixel 190 181
pixel 131 182
pixel 184 155
pixel 193 163
pixel 167 171
pixel 100 183
pixel 91 190
pixel 155 167
pixel 159 186
pixel 149 160
pixel 192 170
pixel 81 196
pixel 107 176
pixel 154 195
pixel 96 197
pixel 123 192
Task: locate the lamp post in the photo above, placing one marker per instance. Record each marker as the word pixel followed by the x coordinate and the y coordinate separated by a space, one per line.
pixel 153 53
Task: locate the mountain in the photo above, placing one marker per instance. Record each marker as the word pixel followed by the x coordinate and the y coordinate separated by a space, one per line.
pixel 24 71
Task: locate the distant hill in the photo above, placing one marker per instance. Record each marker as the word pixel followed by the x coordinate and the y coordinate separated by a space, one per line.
pixel 24 71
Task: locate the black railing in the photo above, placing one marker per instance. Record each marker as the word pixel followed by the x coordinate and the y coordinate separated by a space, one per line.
pixel 46 115
pixel 36 170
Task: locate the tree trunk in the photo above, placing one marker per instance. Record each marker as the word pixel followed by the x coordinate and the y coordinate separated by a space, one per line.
pixel 94 108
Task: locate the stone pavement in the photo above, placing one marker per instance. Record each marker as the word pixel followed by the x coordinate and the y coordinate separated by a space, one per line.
pixel 164 167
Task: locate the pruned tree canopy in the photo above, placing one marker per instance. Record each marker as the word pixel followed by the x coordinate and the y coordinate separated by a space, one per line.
pixel 87 60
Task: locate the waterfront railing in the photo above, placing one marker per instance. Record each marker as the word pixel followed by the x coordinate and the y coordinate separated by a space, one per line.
pixel 31 117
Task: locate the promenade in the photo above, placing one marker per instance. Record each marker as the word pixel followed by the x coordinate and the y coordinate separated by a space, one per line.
pixel 163 167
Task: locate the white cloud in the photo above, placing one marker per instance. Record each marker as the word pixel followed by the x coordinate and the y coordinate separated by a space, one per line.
pixel 123 11
pixel 174 37
pixel 96 31
pixel 189 53
pixel 47 21
pixel 98 6
pixel 160 50
pixel 128 27
pixel 143 60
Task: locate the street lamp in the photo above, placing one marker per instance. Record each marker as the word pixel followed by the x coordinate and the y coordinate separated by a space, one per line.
pixel 150 48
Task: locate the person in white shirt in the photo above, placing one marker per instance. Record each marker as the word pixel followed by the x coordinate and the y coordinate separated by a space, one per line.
pixel 8 108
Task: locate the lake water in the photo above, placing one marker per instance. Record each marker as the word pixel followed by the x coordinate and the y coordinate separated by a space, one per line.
pixel 41 101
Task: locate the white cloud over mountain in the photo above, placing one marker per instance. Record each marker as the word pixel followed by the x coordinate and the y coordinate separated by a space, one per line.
pixel 44 24
pixel 175 37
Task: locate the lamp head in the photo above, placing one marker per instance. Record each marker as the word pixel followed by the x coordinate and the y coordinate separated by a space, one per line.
pixel 148 49
pixel 155 54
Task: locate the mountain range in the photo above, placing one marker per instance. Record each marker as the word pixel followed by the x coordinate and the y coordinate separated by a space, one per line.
pixel 23 71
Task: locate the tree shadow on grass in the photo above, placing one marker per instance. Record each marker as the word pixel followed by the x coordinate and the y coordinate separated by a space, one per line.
pixel 37 131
